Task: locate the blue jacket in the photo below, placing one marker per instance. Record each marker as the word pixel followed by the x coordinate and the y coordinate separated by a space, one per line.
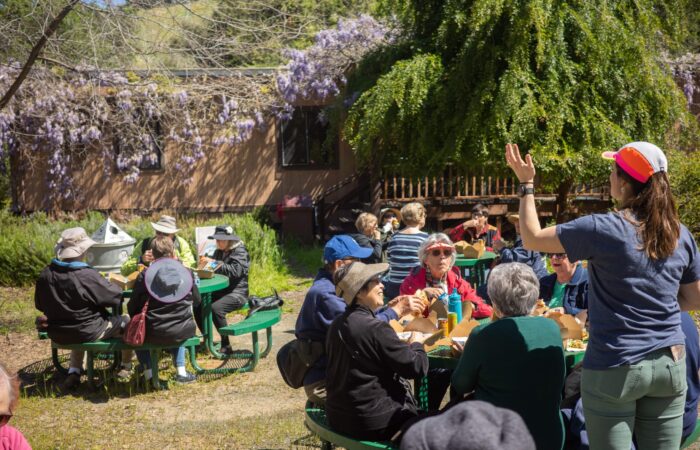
pixel 321 307
pixel 575 292
pixel 692 362
pixel 519 254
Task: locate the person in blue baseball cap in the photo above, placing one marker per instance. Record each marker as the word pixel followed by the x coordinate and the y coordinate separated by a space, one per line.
pixel 322 305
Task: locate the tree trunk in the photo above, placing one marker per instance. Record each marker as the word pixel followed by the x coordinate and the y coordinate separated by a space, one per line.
pixel 36 50
pixel 562 203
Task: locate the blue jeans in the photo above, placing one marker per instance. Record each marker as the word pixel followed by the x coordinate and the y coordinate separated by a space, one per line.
pixel 144 357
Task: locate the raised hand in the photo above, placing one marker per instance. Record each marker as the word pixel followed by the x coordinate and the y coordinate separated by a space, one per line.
pixel 524 169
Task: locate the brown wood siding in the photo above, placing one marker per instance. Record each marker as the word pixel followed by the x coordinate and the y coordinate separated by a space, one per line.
pixel 227 179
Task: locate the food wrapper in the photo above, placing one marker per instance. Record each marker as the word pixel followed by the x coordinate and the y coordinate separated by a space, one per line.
pixel 206 269
pixel 122 281
pixel 475 250
pixel 575 345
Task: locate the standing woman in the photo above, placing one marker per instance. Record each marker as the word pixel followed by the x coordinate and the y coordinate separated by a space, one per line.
pixel 642 263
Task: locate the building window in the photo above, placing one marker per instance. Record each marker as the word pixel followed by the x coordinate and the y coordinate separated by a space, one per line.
pixel 301 141
pixel 151 146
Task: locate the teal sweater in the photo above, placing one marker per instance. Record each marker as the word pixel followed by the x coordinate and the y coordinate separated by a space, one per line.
pixel 518 363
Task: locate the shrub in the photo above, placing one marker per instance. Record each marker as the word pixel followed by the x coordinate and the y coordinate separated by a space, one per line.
pixel 27 245
pixel 684 173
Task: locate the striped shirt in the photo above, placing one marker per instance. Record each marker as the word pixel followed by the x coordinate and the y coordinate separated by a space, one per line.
pixel 402 252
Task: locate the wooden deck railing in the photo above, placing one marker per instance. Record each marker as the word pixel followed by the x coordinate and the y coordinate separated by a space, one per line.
pixel 465 186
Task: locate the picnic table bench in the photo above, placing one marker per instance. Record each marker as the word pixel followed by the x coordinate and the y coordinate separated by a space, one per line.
pixel 261 320
pixel 115 345
pixel 315 421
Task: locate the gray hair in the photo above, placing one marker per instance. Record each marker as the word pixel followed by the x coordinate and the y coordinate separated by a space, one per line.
pixel 10 384
pixel 513 289
pixel 435 238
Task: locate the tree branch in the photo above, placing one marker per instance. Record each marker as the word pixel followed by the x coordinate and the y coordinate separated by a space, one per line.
pixel 36 50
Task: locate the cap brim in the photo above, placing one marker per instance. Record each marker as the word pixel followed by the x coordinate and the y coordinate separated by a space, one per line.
pixel 163 229
pixel 440 245
pixel 609 155
pixel 362 252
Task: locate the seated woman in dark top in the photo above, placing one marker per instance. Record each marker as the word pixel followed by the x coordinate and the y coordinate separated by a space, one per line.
pixel 169 289
pixel 368 236
pixel 517 361
pixel 367 396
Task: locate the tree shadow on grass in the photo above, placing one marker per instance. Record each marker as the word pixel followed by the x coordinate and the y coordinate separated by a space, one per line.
pixel 42 379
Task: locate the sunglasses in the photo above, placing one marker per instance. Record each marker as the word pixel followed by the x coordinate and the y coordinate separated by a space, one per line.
pixel 444 252
pixel 557 255
pixel 480 214
pixel 4 418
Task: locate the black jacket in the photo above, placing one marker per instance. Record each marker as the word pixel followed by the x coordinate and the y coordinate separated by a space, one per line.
pixel 166 323
pixel 365 394
pixel 376 246
pixel 235 267
pixel 75 297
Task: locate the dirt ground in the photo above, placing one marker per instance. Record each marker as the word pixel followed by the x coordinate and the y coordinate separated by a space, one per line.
pixel 250 410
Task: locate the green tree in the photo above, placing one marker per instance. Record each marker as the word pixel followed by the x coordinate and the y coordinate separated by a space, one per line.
pixel 565 80
pixel 244 32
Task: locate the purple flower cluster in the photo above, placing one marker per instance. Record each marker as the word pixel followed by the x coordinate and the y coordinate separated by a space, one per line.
pixel 319 71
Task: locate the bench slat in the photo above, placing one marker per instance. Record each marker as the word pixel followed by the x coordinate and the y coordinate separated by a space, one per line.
pixel 111 345
pixel 316 422
pixel 258 321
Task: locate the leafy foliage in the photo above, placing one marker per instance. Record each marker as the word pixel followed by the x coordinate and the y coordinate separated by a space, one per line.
pixel 684 170
pixel 28 245
pixel 262 29
pixel 563 79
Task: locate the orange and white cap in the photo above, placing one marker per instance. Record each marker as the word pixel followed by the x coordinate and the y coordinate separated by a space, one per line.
pixel 640 160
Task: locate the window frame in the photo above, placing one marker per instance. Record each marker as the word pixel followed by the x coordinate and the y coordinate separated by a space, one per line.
pixel 335 146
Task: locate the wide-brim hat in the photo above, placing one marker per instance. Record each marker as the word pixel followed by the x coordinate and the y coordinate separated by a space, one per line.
pixel 396 212
pixel 640 160
pixel 167 280
pixel 513 217
pixel 166 225
pixel 73 243
pixel 357 275
pixel 224 233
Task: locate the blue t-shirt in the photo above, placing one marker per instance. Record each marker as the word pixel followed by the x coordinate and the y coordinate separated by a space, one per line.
pixel 632 300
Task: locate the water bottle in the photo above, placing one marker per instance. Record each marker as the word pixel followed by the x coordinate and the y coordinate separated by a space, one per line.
pixel 443 298
pixel 196 278
pixel 455 304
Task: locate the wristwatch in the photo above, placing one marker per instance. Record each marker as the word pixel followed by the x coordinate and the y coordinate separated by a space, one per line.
pixel 525 189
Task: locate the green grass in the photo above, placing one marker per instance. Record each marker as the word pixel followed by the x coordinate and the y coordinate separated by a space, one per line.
pixel 17 311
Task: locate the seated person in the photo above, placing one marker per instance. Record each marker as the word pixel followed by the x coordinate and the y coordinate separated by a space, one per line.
pixel 517 361
pixel 476 228
pixel 495 429
pixel 10 437
pixel 402 249
pixel 234 262
pixel 565 290
pixel 75 297
pixel 169 289
pixel 437 275
pixel 517 253
pixel 321 306
pixel 368 236
pixel 142 254
pixel 368 397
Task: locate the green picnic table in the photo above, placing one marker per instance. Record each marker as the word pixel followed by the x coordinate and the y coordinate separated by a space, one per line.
pixel 474 269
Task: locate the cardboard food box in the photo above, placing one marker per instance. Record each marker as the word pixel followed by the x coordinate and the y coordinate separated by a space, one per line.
pixel 460 246
pixel 122 281
pixel 475 250
pixel 569 327
pixel 206 269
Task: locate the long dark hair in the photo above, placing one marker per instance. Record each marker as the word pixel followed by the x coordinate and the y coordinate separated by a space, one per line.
pixel 655 214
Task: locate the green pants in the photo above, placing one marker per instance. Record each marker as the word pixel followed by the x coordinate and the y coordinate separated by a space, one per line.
pixel 646 399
